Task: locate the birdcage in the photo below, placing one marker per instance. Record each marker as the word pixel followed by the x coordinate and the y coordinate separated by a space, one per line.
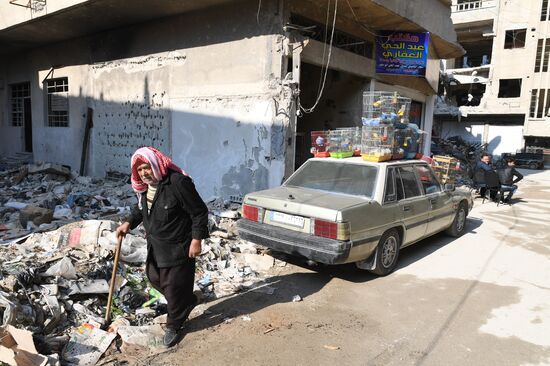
pixel 377 142
pixel 445 168
pixel 319 144
pixel 398 150
pixel 385 107
pixel 341 143
pixel 355 139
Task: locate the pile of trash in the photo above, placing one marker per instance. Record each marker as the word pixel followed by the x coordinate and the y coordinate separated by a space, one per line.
pixel 57 243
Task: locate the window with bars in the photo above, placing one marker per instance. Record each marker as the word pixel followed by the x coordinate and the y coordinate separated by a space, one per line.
pixel 57 93
pixel 540 103
pixel 543 54
pixel 18 93
pixel 515 38
pixel 544 11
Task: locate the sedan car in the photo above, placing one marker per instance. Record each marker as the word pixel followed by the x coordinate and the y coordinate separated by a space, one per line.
pixel 336 211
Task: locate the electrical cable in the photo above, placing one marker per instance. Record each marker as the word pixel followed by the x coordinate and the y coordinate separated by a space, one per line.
pixel 312 108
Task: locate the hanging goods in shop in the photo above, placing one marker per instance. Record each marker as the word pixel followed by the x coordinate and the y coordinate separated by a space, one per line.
pixel 377 142
pixel 319 144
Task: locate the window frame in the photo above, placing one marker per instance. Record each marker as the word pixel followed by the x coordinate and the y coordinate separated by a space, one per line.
pixel 501 89
pixel 24 91
pixel 513 33
pixel 56 119
pixel 418 185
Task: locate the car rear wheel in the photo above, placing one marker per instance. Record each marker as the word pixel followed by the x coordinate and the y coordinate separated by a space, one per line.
pixel 458 227
pixel 387 252
pixel 533 166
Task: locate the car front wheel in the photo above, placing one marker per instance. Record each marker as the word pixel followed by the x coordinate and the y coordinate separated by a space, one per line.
pixel 387 252
pixel 458 227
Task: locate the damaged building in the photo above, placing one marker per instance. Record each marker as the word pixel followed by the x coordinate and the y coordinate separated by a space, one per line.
pixel 497 93
pixel 222 86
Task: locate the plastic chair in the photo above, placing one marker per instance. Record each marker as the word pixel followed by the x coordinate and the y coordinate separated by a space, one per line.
pixel 492 183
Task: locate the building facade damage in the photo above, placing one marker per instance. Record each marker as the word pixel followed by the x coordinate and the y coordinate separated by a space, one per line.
pixel 217 84
pixel 496 91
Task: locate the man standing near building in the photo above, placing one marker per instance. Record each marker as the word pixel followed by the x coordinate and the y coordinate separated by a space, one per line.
pixel 175 220
pixel 506 177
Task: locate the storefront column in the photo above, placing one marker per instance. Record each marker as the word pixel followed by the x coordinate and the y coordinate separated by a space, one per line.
pixel 428 123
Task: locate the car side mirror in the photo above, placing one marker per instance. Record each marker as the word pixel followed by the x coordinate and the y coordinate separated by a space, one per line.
pixel 449 187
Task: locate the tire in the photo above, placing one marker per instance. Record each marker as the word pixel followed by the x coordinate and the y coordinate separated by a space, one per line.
pixel 387 252
pixel 458 227
pixel 533 166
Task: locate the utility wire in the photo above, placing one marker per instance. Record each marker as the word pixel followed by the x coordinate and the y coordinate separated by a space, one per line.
pixel 312 108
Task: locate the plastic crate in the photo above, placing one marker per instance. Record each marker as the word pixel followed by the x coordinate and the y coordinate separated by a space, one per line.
pixel 377 143
pixel 319 144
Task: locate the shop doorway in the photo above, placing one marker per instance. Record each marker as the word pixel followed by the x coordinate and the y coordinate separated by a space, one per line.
pixel 28 124
pixel 339 106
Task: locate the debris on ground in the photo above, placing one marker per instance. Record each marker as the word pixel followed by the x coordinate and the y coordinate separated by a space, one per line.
pixel 57 243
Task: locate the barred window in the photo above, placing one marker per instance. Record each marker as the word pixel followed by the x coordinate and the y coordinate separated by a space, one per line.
pixel 18 93
pixel 540 103
pixel 57 93
pixel 544 11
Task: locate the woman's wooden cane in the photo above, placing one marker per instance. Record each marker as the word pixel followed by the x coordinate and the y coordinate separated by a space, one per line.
pixel 113 280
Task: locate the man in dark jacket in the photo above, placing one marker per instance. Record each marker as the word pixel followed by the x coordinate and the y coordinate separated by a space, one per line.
pixel 508 178
pixel 175 220
pixel 483 165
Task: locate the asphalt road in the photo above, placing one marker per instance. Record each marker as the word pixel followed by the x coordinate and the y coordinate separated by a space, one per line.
pixel 482 299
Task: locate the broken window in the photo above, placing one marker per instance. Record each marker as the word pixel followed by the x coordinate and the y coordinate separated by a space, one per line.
pixel 515 38
pixel 509 88
pixel 18 93
pixel 544 11
pixel 57 93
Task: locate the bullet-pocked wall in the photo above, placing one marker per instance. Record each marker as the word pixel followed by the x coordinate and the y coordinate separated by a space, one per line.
pixel 204 87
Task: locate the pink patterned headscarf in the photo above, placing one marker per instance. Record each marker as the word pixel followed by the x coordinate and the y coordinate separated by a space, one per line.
pixel 160 164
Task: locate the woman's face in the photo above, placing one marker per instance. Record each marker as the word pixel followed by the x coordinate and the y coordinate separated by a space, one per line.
pixel 146 174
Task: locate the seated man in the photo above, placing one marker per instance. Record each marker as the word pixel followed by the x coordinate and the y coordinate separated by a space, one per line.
pixel 507 180
pixel 483 165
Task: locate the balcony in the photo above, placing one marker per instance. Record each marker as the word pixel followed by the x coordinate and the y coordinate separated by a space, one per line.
pixel 477 11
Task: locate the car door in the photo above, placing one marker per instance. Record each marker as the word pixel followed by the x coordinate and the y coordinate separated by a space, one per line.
pixel 440 202
pixel 412 203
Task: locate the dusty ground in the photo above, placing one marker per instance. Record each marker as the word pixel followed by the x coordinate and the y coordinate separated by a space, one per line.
pixel 483 299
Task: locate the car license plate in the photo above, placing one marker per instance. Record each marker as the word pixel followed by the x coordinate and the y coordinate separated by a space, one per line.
pixel 283 218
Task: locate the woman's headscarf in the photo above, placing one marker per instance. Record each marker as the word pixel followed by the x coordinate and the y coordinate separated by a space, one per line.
pixel 160 164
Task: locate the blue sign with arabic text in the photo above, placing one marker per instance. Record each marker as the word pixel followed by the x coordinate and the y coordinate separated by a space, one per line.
pixel 402 53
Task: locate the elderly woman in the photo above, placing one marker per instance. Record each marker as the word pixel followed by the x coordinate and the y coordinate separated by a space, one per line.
pixel 175 220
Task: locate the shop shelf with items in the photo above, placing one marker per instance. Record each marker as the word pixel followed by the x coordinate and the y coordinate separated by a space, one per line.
pixel 377 142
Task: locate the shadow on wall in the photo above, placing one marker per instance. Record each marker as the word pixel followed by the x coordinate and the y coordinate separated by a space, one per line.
pixel 228 146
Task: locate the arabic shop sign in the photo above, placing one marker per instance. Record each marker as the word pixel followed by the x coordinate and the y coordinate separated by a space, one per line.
pixel 402 53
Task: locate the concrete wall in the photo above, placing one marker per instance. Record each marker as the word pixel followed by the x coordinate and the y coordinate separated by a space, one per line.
pixel 11 14
pixel 204 87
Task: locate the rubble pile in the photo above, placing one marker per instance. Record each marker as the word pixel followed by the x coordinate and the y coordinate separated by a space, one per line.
pixel 57 242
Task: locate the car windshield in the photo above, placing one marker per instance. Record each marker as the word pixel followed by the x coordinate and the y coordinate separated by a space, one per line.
pixel 354 179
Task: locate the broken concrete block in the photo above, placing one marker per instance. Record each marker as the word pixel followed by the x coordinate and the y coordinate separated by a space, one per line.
pixel 50 168
pixel 257 262
pixel 37 215
pixel 89 287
